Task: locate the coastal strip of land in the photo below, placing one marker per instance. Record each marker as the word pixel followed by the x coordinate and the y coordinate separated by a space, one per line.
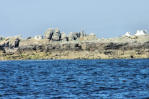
pixel 76 45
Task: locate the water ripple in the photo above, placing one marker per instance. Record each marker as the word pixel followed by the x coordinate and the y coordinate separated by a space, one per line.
pixel 74 79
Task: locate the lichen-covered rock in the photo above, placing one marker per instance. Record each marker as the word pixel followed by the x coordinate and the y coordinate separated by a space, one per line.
pixel 64 37
pixel 49 33
pixel 53 34
pixel 4 43
pixel 72 36
pixel 11 42
pixel 56 35
pixel 76 35
pixel 14 42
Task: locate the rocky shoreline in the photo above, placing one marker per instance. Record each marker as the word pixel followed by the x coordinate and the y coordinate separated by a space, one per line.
pixel 77 45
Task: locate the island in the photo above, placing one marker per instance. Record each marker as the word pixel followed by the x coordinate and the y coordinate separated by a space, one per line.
pixel 55 44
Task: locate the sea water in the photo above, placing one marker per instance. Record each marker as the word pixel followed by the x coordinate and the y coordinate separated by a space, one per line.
pixel 75 79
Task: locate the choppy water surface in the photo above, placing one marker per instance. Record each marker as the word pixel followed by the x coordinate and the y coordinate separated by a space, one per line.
pixel 74 79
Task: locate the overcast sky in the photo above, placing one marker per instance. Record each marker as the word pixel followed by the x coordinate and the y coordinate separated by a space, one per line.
pixel 106 18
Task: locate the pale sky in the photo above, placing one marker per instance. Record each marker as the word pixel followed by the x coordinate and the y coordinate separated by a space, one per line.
pixel 105 18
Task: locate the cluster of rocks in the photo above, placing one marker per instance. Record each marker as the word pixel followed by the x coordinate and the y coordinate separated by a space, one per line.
pixel 12 42
pixel 50 34
pixel 56 35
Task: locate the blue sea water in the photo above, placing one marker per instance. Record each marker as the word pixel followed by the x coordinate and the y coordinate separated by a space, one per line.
pixel 75 79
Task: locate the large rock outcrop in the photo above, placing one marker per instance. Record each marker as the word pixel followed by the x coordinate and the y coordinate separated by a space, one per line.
pixel 64 37
pixel 72 36
pixel 10 42
pixel 49 33
pixel 53 34
pixel 56 35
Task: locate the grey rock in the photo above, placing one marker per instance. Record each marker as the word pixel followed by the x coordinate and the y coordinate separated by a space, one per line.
pixel 56 35
pixel 49 33
pixel 115 46
pixel 2 38
pixel 146 45
pixel 11 43
pixel 5 43
pixel 28 38
pixel 64 37
pixel 82 34
pixel 10 51
pixel 72 36
pixel 76 35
